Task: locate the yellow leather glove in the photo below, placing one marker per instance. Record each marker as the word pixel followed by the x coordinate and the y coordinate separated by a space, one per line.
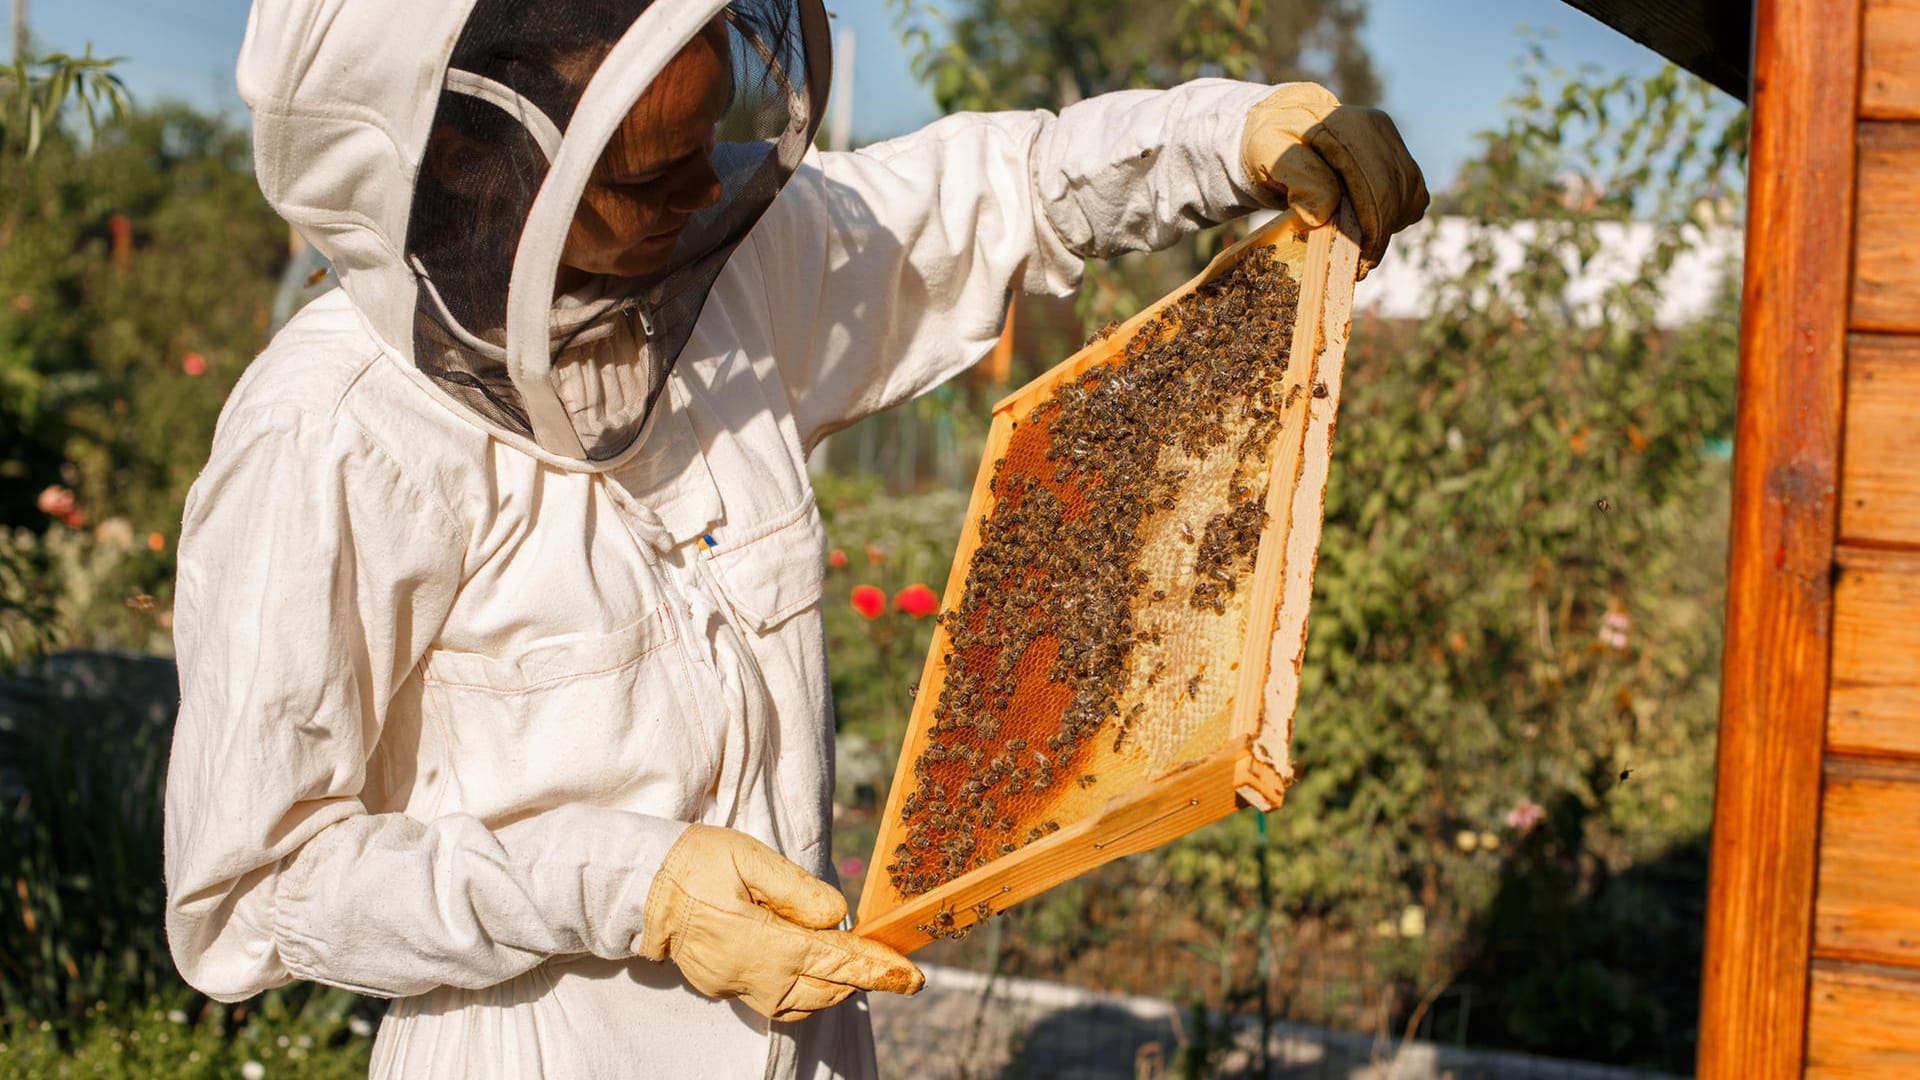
pixel 1300 140
pixel 741 921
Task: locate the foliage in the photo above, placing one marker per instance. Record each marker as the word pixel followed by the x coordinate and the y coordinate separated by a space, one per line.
pixel 1046 54
pixel 1512 663
pixel 138 268
pixel 80 843
pixel 87 985
pixel 1505 737
pixel 316 1033
pixel 37 91
pixel 86 588
pixel 890 542
pixel 1612 149
pixel 29 623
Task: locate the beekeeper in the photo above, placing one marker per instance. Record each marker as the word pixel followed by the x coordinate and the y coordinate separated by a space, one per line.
pixel 504 687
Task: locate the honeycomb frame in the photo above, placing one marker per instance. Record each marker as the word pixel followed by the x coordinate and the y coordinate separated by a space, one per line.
pixel 1251 765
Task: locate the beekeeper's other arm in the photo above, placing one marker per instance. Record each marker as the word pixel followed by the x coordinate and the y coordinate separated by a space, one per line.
pixel 889 268
pixel 314 572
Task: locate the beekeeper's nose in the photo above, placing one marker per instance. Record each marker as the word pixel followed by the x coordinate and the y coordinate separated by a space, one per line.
pixel 697 188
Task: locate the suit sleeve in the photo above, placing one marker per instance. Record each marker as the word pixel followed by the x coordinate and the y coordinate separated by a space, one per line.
pixel 313 575
pixel 888 270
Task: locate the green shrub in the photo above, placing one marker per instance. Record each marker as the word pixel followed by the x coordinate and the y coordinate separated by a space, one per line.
pixel 80 847
pixel 311 1033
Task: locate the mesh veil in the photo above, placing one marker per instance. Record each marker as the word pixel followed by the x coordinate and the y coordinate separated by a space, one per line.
pixel 515 77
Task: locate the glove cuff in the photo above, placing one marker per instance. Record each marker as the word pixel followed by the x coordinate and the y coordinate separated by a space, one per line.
pixel 660 925
pixel 1278 121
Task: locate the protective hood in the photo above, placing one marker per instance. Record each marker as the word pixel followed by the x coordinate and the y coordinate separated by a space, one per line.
pixel 436 154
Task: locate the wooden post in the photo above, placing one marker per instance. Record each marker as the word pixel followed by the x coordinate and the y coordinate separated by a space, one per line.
pixel 1779 580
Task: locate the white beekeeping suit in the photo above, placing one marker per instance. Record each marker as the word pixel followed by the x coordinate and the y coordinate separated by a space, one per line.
pixel 486 597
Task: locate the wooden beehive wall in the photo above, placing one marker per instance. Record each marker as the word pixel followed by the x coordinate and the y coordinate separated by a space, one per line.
pixel 1068 786
pixel 1813 964
pixel 1865 1017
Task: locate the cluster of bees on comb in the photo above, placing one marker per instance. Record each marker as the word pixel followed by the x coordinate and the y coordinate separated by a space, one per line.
pixel 1056 599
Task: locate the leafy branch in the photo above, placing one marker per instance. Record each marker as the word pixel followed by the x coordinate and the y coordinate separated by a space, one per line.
pixel 36 90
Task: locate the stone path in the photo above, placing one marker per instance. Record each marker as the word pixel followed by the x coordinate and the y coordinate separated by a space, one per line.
pixel 965 1026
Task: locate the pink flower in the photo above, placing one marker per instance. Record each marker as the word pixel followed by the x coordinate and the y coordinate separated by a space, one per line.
pixel 1526 816
pixel 837 559
pixel 193 364
pixel 58 501
pixel 868 600
pixel 851 866
pixel 1613 628
pixel 916 600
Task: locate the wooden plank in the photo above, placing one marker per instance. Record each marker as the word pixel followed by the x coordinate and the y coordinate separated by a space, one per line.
pixel 1876 653
pixel 1779 600
pixel 1886 289
pixel 1289 642
pixel 1863 1023
pixel 1880 481
pixel 1294 540
pixel 1869 896
pixel 1890 61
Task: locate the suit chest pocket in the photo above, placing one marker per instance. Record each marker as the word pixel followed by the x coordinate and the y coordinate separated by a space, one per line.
pixel 603 719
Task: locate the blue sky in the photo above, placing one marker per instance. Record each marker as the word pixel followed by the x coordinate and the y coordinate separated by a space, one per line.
pixel 1447 64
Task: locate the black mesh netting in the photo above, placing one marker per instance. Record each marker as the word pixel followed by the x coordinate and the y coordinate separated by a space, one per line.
pixel 485 163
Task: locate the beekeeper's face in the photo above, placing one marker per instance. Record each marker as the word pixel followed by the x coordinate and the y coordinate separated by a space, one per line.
pixel 657 171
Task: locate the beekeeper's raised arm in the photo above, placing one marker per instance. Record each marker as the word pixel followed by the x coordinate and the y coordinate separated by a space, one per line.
pixel 890 266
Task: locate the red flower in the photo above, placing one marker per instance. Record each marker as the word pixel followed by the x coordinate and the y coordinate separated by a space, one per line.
pixel 837 559
pixel 868 600
pixel 916 600
pixel 193 364
pixel 876 555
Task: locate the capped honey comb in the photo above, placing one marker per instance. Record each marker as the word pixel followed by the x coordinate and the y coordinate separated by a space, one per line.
pixel 1117 655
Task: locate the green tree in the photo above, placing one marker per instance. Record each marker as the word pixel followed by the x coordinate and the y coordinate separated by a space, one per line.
pixel 1047 54
pixel 1506 724
pixel 138 269
pixel 38 91
pixel 1512 664
pixel 1025 54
